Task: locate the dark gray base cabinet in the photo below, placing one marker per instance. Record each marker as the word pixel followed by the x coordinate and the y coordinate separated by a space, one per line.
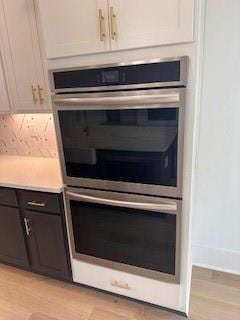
pixel 12 241
pixel 46 243
pixel 33 232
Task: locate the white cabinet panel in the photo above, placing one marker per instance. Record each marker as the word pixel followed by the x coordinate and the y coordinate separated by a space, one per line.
pixel 140 23
pixel 22 55
pixel 73 27
pixel 4 101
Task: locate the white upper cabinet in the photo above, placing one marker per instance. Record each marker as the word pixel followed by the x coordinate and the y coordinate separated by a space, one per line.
pixel 23 60
pixel 4 101
pixel 76 27
pixel 142 23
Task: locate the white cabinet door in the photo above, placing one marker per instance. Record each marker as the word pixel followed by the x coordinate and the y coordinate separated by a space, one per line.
pixel 22 55
pixel 74 27
pixel 4 101
pixel 140 23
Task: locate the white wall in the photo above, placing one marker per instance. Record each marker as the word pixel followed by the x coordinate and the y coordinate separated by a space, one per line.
pixel 216 233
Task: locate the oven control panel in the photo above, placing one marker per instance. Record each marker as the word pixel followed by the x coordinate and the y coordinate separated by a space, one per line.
pixel 172 72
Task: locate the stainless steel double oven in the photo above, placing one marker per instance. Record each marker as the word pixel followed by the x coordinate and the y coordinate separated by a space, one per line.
pixel 120 135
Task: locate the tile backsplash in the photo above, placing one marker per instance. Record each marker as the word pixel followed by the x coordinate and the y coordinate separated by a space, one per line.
pixel 28 135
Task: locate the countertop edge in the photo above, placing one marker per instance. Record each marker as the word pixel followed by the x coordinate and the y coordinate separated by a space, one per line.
pixel 32 188
pixel 31 173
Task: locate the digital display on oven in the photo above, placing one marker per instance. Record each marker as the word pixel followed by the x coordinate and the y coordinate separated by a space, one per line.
pixel 110 76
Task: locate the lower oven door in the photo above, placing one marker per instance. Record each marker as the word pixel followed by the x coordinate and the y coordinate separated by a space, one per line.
pixel 131 233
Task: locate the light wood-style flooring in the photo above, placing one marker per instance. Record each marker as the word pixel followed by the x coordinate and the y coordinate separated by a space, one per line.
pixel 26 296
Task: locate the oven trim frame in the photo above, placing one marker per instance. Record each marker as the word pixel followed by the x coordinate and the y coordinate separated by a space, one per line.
pixel 129 187
pixel 138 271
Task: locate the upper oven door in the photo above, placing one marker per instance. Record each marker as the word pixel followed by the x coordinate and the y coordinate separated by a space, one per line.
pixel 125 141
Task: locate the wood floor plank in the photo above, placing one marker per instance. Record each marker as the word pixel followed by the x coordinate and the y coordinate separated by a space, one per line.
pixel 224 278
pixel 149 313
pixel 100 314
pixel 26 296
pixel 216 291
pixel 227 279
pixel 202 274
pixel 41 316
pixel 209 309
pixel 8 311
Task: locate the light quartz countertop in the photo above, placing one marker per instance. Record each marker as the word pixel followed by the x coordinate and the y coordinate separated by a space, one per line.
pixel 31 173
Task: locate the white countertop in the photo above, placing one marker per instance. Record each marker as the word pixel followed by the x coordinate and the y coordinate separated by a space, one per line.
pixel 31 173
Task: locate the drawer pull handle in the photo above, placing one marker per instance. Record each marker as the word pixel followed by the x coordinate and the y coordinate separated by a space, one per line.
pixel 120 285
pixel 27 227
pixel 36 204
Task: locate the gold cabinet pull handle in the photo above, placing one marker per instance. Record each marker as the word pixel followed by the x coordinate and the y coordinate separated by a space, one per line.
pixel 34 91
pixel 36 204
pixel 28 229
pixel 113 23
pixel 120 285
pixel 40 94
pixel 101 25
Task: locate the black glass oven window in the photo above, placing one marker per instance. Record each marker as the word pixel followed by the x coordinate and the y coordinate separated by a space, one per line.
pixel 137 145
pixel 134 237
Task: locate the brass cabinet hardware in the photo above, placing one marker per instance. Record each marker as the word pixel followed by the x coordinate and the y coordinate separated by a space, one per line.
pixel 101 24
pixel 120 285
pixel 40 94
pixel 113 23
pixel 35 99
pixel 28 229
pixel 36 204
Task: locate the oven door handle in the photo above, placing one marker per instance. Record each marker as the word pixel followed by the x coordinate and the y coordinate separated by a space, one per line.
pixel 140 100
pixel 157 207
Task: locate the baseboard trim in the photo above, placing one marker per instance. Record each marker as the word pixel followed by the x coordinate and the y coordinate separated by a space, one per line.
pixel 216 259
pixel 214 268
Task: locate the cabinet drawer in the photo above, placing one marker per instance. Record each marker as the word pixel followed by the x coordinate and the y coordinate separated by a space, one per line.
pixel 40 201
pixel 8 197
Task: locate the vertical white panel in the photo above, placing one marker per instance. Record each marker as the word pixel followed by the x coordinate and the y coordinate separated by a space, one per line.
pixel 4 101
pixel 217 212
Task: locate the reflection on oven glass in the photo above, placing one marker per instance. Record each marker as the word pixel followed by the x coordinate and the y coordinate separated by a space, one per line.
pixel 136 145
pixel 134 237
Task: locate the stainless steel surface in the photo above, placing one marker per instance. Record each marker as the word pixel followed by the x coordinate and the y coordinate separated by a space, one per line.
pixel 28 229
pixel 137 98
pixel 120 87
pixel 126 186
pixel 87 195
pixel 183 76
pixel 157 207
pixel 73 99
